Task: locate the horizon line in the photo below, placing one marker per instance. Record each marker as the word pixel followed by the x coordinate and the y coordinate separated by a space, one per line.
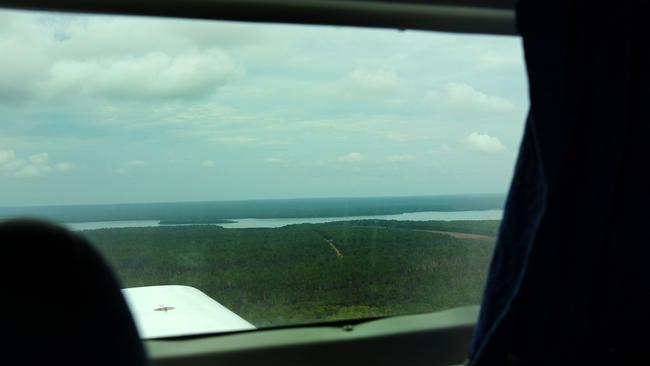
pixel 251 200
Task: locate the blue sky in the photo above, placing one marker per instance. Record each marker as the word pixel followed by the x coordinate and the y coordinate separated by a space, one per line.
pixel 104 110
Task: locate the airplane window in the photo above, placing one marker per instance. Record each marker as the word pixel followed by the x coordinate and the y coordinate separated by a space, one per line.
pixel 240 176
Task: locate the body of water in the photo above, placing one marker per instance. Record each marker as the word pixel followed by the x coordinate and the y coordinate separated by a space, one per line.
pixel 272 223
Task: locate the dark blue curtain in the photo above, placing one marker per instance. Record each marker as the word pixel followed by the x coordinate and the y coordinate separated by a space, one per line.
pixel 570 279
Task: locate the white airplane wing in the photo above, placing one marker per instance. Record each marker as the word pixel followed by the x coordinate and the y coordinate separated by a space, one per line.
pixel 173 311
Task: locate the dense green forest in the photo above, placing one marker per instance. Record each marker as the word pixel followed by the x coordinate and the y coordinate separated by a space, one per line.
pixel 310 272
pixel 482 227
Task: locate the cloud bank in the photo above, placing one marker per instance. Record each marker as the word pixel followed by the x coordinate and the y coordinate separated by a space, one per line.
pixel 462 95
pixel 33 166
pixel 353 157
pixel 483 143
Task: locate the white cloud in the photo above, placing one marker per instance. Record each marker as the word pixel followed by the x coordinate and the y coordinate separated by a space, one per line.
pixel 397 137
pixel 64 167
pixel 464 96
pixel 129 166
pixel 155 74
pixel 483 143
pixel 353 157
pixel 376 81
pixel 41 158
pixel 53 56
pixel 505 58
pixel 400 158
pixel 133 163
pixel 406 137
pixel 33 166
pixel 235 140
pixel 274 160
pixel 6 156
pixel 208 164
pixel 442 149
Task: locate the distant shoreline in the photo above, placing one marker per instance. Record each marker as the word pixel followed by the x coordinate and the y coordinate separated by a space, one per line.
pixel 196 222
pixel 225 212
pixel 275 222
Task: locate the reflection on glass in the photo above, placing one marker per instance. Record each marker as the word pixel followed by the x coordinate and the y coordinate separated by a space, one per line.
pixel 290 173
